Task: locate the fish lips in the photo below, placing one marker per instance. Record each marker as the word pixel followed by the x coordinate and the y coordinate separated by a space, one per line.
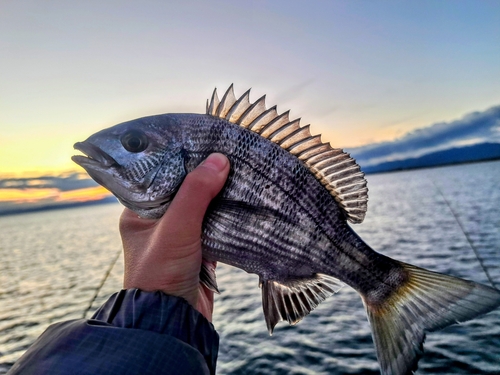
pixel 95 156
pixel 98 164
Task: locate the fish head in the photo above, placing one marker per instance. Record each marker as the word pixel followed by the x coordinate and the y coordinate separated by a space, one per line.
pixel 140 161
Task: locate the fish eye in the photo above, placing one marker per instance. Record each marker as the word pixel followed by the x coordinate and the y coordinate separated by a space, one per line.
pixel 134 141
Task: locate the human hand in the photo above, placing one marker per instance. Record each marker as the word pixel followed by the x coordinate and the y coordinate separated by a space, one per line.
pixel 165 254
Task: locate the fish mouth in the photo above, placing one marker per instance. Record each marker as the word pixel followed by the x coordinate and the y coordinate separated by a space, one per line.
pixel 107 172
pixel 94 156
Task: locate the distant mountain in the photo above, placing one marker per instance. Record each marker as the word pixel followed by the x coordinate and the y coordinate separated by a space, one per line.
pixel 417 148
pixel 456 155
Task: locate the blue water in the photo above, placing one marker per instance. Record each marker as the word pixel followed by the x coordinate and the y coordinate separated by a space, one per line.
pixel 53 264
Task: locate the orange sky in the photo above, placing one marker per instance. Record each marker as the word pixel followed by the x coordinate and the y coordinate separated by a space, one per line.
pixel 50 196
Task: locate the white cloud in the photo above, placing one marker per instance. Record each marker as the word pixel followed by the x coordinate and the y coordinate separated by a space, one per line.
pixel 473 128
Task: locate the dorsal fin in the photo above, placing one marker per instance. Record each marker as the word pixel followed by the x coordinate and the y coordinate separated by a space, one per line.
pixel 336 170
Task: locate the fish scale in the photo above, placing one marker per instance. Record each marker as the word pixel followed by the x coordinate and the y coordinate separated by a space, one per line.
pixel 283 214
pixel 243 156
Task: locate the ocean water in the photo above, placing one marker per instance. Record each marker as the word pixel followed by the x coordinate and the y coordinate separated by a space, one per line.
pixel 59 265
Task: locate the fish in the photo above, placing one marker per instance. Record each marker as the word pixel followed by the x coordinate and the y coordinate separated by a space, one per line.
pixel 285 214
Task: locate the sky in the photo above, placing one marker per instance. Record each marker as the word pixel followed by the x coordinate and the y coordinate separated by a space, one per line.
pixel 362 73
pixel 472 129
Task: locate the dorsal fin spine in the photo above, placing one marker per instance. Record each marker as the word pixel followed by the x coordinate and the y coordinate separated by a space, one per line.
pixel 324 156
pixel 252 112
pixel 275 123
pixel 284 131
pixel 214 103
pixel 239 107
pixel 293 133
pixel 263 119
pixel 226 103
pixel 319 164
pixel 300 148
pixel 336 170
pixel 291 139
pixel 313 151
pixel 345 167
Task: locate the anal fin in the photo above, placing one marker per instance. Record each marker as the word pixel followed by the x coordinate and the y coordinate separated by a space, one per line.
pixel 293 299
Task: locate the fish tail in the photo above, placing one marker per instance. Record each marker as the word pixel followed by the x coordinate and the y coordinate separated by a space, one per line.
pixel 427 301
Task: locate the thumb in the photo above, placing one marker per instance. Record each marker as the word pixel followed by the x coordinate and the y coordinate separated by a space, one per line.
pixel 185 214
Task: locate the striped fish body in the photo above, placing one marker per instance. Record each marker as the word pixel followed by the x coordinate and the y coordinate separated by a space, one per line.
pixel 274 218
pixel 282 215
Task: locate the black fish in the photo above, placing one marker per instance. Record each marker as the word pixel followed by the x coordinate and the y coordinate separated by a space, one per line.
pixel 282 215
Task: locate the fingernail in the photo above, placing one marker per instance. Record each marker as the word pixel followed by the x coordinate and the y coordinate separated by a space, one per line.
pixel 217 162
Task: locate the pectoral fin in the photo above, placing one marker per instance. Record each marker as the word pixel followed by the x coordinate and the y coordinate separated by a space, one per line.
pixel 207 275
pixel 291 300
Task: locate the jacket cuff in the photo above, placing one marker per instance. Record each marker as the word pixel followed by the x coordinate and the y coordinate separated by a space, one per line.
pixel 164 314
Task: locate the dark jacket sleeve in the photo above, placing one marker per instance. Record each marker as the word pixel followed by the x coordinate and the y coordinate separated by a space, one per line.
pixel 134 332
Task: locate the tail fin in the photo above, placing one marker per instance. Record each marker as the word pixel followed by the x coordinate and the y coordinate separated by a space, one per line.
pixel 428 301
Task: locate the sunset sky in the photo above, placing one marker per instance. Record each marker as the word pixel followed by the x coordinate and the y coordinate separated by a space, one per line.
pixel 361 72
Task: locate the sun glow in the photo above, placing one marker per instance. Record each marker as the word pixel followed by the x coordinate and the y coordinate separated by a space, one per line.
pixel 27 195
pixel 83 195
pixel 52 195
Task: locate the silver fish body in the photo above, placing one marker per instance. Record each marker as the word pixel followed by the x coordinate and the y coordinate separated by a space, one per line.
pixel 282 215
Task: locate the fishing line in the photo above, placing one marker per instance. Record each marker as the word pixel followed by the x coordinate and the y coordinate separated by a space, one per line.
pixel 476 253
pixel 106 275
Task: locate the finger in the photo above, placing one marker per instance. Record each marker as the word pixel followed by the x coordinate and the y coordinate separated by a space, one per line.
pixel 186 212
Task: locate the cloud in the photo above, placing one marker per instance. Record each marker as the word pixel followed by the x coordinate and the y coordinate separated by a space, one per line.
pixel 30 193
pixel 473 128
pixel 68 182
